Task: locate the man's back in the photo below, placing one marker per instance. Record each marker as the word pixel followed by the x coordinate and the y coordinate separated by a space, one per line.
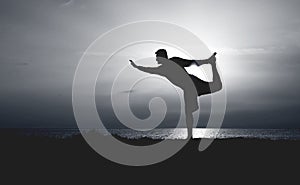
pixel 175 73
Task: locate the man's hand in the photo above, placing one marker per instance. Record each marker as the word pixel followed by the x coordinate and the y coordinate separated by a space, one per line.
pixel 133 64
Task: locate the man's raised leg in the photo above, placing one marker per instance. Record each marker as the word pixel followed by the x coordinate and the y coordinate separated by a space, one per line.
pixel 216 84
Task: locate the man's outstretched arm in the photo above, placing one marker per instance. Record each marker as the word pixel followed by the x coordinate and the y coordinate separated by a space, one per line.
pixel 186 63
pixel 152 70
pixel 206 61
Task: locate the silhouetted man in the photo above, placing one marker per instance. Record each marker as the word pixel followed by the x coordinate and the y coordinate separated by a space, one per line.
pixel 173 69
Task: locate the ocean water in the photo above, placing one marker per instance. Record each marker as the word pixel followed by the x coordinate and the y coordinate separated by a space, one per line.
pixel 178 133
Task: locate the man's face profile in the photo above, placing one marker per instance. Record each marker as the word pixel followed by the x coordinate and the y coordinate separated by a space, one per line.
pixel 160 59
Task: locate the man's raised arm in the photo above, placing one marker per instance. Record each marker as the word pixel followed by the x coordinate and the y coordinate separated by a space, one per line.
pixel 152 70
pixel 206 61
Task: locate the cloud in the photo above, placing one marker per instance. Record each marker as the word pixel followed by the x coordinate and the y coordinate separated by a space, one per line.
pixel 129 91
pixel 22 64
pixel 250 51
pixel 66 3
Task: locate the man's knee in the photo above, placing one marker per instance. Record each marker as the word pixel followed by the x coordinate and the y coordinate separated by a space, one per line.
pixel 216 86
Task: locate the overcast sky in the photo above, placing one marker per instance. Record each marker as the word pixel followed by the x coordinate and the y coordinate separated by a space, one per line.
pixel 258 45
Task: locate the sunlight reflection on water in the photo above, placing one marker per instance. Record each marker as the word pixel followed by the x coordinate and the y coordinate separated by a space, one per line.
pixel 178 133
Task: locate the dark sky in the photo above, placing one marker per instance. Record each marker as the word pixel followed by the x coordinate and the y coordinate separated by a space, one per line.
pixel 258 45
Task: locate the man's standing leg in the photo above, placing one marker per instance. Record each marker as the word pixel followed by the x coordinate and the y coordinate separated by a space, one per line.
pixel 189 122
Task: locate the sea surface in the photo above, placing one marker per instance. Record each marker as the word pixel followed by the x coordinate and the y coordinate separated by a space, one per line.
pixel 178 133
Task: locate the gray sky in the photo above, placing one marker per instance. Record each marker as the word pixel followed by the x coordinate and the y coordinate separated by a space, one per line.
pixel 257 41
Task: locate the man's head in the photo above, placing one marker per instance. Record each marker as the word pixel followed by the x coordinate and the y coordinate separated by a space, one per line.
pixel 161 55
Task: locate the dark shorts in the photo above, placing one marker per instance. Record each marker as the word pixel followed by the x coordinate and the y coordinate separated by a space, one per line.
pixel 201 86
